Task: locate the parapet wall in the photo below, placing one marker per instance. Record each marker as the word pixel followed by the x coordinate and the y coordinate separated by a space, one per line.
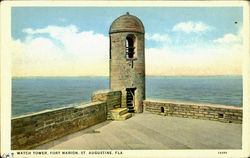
pixel 28 131
pixel 222 113
pixel 111 97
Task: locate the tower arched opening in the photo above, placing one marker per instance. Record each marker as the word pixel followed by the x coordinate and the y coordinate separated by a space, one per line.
pixel 130 46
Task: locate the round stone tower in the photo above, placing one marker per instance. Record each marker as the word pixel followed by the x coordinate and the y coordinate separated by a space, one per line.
pixel 127 61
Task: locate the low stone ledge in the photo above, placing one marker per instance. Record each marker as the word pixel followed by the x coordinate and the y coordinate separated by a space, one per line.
pixel 31 130
pixel 215 112
pixel 107 91
pixel 89 104
pixel 41 112
pixel 192 104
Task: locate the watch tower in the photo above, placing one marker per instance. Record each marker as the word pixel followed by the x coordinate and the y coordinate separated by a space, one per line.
pixel 127 61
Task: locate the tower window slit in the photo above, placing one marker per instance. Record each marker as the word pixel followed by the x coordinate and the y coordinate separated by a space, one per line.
pixel 130 47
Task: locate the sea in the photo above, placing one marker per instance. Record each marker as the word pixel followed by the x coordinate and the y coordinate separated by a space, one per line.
pixel 33 94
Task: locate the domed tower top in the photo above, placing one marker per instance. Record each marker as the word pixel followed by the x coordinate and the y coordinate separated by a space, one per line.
pixel 127 23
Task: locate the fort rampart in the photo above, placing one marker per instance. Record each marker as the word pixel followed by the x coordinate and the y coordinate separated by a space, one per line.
pixel 31 130
pixel 222 113
pixel 28 131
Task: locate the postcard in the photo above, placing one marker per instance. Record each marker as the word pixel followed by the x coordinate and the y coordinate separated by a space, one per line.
pixel 125 79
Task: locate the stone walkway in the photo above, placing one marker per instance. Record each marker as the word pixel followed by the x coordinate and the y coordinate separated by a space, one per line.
pixel 149 131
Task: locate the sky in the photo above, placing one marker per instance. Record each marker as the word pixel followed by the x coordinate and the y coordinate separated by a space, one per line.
pixel 74 41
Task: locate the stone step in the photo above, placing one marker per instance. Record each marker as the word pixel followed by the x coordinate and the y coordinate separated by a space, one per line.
pixel 131 110
pixel 124 116
pixel 119 111
pixel 119 114
pixel 109 115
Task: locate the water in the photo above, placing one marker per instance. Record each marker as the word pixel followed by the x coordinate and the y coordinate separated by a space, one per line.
pixel 36 94
pixel 40 93
pixel 225 90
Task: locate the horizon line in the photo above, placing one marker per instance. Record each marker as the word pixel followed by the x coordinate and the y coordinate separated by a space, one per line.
pixel 145 76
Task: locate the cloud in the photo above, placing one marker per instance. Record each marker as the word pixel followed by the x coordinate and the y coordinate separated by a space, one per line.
pixel 228 38
pixel 191 27
pixel 65 52
pixel 157 37
pixel 217 60
pixel 197 56
pixel 53 31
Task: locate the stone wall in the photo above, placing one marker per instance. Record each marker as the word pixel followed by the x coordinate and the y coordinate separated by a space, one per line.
pixel 222 113
pixel 111 97
pixel 28 131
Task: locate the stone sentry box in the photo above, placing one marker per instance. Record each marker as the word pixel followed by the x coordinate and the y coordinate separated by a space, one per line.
pixel 127 60
pixel 222 113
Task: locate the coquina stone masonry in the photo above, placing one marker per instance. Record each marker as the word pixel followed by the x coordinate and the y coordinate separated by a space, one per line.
pixel 31 130
pixel 127 36
pixel 28 131
pixel 112 98
pixel 222 113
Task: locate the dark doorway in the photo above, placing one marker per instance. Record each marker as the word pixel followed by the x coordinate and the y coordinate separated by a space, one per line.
pixel 162 109
pixel 130 99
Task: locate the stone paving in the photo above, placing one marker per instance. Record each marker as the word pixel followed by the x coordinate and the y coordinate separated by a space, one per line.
pixel 149 131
